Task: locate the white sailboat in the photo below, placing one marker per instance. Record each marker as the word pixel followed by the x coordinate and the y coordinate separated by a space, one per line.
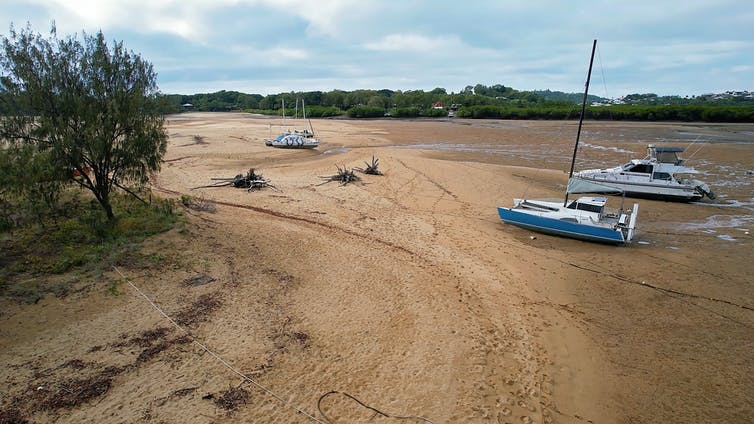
pixel 585 218
pixel 295 139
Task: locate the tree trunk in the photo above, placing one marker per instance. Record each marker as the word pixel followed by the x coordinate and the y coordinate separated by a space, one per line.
pixel 108 210
pixel 104 200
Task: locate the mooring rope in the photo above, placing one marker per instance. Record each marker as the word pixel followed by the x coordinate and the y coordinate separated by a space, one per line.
pixel 375 410
pixel 217 357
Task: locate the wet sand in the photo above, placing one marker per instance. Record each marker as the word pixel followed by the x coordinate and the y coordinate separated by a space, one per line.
pixel 406 291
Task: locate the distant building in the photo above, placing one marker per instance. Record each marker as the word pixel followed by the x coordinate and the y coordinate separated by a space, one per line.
pixel 438 105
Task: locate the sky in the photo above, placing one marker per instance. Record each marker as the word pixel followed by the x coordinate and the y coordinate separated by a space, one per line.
pixel 666 47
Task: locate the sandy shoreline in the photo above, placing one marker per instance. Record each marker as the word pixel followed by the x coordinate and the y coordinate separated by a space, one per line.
pixel 407 292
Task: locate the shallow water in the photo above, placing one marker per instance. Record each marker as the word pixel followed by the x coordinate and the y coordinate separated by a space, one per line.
pixel 742 222
pixel 606 145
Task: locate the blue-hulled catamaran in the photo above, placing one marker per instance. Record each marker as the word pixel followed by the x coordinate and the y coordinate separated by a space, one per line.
pixel 585 218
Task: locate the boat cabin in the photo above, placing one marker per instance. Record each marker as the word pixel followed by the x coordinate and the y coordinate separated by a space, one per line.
pixel 589 204
pixel 640 169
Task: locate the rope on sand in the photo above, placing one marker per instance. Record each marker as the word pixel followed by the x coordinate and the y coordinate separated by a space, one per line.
pixel 376 411
pixel 263 388
pixel 216 356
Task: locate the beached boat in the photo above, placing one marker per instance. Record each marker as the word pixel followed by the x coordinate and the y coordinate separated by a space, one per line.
pixel 585 218
pixel 294 139
pixel 662 174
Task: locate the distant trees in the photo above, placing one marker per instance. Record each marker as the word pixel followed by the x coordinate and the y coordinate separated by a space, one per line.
pixel 366 112
pixel 481 101
pixel 221 101
pixel 77 112
pixel 686 113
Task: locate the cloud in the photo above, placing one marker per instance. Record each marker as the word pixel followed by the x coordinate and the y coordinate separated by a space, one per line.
pixel 414 43
pixel 322 17
pixel 190 19
pixel 166 16
pixel 673 47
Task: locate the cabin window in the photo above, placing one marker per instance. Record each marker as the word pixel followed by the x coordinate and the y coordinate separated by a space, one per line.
pixel 585 207
pixel 641 168
pixel 661 176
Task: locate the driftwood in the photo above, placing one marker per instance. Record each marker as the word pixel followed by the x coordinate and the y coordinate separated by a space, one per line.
pixel 371 168
pixel 344 175
pixel 250 181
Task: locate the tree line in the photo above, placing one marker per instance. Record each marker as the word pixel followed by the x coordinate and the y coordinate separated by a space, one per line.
pixel 476 102
pixel 343 101
pixel 684 113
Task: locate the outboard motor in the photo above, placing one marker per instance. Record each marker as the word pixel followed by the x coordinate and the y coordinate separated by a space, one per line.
pixel 705 191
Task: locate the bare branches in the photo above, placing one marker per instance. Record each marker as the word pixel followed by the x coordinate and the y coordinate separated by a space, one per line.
pixel 250 181
pixel 371 168
pixel 344 175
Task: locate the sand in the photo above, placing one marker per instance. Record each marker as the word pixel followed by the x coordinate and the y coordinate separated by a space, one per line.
pixel 406 291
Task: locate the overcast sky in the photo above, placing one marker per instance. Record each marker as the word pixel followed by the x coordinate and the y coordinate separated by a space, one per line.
pixel 686 47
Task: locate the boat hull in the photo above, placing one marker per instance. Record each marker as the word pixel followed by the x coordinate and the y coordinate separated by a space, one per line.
pixel 293 141
pixel 559 227
pixel 677 193
pixel 298 146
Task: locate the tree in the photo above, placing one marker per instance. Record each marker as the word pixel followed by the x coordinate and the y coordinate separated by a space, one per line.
pixel 90 111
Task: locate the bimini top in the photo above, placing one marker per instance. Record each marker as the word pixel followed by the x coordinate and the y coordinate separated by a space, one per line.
pixel 668 149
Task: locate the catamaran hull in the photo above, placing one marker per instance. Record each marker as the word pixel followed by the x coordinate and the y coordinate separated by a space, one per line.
pixel 296 146
pixel 293 141
pixel 678 193
pixel 561 228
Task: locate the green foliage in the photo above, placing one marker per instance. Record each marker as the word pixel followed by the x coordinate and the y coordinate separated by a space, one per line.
pixel 434 113
pixel 366 112
pixel 501 102
pixel 221 101
pixel 78 112
pixel 113 288
pixel 81 246
pixel 567 98
pixel 617 112
pixel 687 113
pixel 311 111
pixel 405 112
pixel 323 111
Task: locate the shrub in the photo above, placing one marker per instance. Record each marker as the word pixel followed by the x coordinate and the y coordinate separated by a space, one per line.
pixel 366 112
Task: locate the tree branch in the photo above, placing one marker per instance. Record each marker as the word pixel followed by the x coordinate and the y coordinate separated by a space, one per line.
pixel 131 193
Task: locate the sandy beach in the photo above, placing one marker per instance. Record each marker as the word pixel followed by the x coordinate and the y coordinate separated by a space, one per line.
pixel 406 291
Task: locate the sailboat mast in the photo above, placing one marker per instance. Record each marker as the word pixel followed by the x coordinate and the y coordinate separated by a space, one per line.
pixel 310 121
pixel 581 120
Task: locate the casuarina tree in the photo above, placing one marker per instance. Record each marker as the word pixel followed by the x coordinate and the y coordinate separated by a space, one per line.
pixel 78 111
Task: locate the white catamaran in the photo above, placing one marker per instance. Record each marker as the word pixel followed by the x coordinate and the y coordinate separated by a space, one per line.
pixel 585 218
